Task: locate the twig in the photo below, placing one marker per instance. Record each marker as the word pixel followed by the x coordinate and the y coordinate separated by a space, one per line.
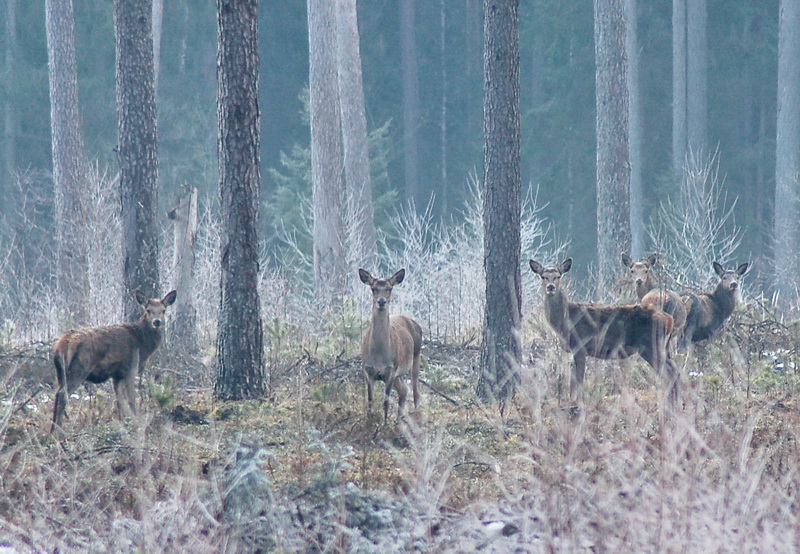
pixel 31 397
pixel 440 393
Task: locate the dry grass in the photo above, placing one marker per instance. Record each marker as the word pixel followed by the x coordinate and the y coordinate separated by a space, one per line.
pixel 308 470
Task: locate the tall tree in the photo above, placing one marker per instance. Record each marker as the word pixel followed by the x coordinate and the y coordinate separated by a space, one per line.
pixel 500 350
pixel 69 163
pixel 635 130
pixel 326 150
pixel 696 77
pixel 613 162
pixel 137 150
pixel 411 111
pixel 9 114
pixel 240 365
pixel 678 86
pixel 354 136
pixel 787 153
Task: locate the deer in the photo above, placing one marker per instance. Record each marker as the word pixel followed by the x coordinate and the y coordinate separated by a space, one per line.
pixel 661 298
pixel 116 352
pixel 390 348
pixel 605 332
pixel 709 310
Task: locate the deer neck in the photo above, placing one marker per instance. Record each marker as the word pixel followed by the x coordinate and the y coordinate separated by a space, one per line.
pixel 149 337
pixel 556 310
pixel 724 301
pixel 380 327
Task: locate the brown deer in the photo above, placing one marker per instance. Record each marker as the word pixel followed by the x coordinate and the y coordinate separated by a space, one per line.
pixel 661 298
pixel 117 352
pixel 709 310
pixel 391 346
pixel 605 332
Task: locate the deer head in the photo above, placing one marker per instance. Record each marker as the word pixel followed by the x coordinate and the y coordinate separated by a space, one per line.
pixel 381 288
pixel 551 276
pixel 154 308
pixel 639 271
pixel 729 279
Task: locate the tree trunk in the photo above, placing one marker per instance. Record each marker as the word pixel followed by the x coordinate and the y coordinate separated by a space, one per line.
pixel 361 215
pixel 183 330
pixel 613 167
pixel 638 233
pixel 696 78
pixel 443 186
pixel 240 352
pixel 158 19
pixel 787 154
pixel 500 350
pixel 10 123
pixel 69 164
pixel 411 115
pixel 678 86
pixel 326 158
pixel 137 151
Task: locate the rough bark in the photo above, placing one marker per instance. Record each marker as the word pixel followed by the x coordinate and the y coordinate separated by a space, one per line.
pixel 361 215
pixel 137 150
pixel 500 350
pixel 696 77
pixel 787 154
pixel 613 165
pixel 638 234
pixel 69 164
pixel 678 85
pixel 326 157
pixel 239 365
pixel 183 330
pixel 411 115
pixel 10 123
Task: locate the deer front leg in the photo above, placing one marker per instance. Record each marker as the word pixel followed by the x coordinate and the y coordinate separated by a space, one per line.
pixel 389 384
pixel 370 392
pixel 578 371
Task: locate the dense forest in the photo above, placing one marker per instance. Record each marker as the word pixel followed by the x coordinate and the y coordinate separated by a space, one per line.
pixel 557 104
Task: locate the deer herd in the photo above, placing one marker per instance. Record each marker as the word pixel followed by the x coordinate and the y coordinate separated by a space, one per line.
pixel 662 323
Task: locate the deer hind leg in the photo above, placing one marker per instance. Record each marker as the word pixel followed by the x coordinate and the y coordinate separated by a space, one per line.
pixel 402 394
pixel 123 405
pixel 59 407
pixel 415 380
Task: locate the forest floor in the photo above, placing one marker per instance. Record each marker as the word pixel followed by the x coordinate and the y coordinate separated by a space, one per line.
pixel 310 470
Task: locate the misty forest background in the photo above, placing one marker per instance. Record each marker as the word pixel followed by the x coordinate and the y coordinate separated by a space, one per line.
pixel 434 163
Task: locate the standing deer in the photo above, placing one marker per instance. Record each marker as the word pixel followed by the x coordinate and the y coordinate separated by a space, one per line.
pixel 605 332
pixel 391 346
pixel 709 310
pixel 663 299
pixel 117 352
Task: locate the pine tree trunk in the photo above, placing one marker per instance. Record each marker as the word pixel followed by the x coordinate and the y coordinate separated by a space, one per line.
pixel 787 154
pixel 137 151
pixel 10 123
pixel 411 115
pixel 354 137
pixel 638 234
pixel 500 350
pixel 69 164
pixel 326 157
pixel 183 329
pixel 239 365
pixel 613 167
pixel 696 78
pixel 678 86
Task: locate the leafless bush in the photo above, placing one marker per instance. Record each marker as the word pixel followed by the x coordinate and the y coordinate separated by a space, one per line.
pixel 697 226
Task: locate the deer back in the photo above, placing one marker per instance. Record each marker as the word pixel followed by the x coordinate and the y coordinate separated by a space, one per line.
pixel 615 331
pixel 669 302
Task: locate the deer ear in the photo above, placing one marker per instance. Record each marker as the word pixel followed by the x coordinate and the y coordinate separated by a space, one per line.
pixel 398 277
pixel 566 265
pixel 626 260
pixel 365 277
pixel 536 267
pixel 742 269
pixel 140 297
pixel 170 297
pixel 652 259
pixel 718 269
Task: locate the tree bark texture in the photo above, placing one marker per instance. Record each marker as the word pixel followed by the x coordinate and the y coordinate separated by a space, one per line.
pixel 787 154
pixel 613 165
pixel 500 350
pixel 411 114
pixel 183 329
pixel 326 150
pixel 696 78
pixel 678 86
pixel 69 164
pixel 361 215
pixel 138 149
pixel 638 232
pixel 240 366
pixel 10 123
